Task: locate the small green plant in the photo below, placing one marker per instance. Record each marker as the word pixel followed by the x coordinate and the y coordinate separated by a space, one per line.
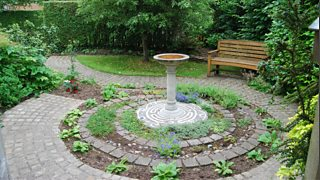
pixel 261 111
pixel 109 92
pixel 90 103
pixel 149 86
pixel 207 107
pixel 73 132
pixel 72 117
pixel 220 125
pixel 256 155
pixel 165 172
pixel 259 84
pixel 223 167
pixel 270 139
pixel 79 146
pixel 129 86
pixel 101 123
pixel 230 139
pixel 73 74
pixel 122 94
pixel 115 168
pixel 244 122
pixel 168 145
pixel 272 123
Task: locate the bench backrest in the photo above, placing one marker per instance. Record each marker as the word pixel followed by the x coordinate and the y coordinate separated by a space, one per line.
pixel 240 49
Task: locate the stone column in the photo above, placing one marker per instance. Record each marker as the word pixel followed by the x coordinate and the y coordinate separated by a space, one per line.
pixel 171 88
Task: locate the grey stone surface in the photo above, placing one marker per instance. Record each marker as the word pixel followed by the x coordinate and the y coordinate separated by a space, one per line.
pixel 206 140
pixel 107 148
pixel 239 150
pixel 217 157
pixel 215 137
pixel 143 161
pixel 194 142
pixel 204 160
pixel 190 162
pixel 130 157
pixel 247 146
pixel 228 154
pixel 118 153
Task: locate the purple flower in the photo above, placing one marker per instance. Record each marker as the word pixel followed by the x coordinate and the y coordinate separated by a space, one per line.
pixel 172 134
pixel 180 97
pixel 175 141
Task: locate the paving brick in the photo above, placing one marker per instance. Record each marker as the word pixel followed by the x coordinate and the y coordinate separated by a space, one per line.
pixel 143 161
pixel 215 137
pixel 190 162
pixel 118 153
pixel 107 148
pixel 206 140
pixel 130 157
pixel 228 154
pixel 184 144
pixel 204 160
pixel 194 142
pixel 247 146
pixel 239 150
pixel 217 157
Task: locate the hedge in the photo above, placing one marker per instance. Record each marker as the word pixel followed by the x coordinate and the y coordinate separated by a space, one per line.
pixel 11 17
pixel 72 27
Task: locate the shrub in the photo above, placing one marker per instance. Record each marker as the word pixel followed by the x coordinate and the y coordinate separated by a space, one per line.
pixel 23 74
pixel 165 172
pixel 19 17
pixel 102 122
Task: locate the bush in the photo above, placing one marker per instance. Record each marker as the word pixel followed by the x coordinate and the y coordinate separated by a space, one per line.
pixel 19 17
pixel 23 73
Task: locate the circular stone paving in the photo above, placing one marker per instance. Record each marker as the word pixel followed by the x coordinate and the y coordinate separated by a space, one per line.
pixel 155 115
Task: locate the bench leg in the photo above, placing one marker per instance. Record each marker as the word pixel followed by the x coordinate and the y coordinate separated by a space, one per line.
pixel 217 69
pixel 209 69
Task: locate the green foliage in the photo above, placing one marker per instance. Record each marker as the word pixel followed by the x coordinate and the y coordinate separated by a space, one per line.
pixel 23 74
pixel 256 155
pixel 89 81
pixel 225 98
pixel 259 84
pixel 207 107
pixel 272 123
pixel 109 92
pixel 44 38
pixel 270 139
pixel 244 122
pixel 234 19
pixel 19 17
pixel 149 86
pixel 294 151
pixel 79 146
pixel 223 167
pixel 117 168
pixel 73 132
pixel 72 117
pixel 102 122
pixel 291 69
pixel 72 74
pixel 129 86
pixel 122 94
pixel 90 103
pixel 261 111
pixel 168 144
pixel 220 125
pixel 165 172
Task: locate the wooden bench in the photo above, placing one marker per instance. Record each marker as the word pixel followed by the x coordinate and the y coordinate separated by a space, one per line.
pixel 239 53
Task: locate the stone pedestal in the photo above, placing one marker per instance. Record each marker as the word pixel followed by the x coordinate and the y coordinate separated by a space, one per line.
pixel 171 88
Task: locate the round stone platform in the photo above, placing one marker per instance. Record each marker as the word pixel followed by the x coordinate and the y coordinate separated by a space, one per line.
pixel 155 115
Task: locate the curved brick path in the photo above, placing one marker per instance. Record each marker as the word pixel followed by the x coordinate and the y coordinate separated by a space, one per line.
pixel 35 152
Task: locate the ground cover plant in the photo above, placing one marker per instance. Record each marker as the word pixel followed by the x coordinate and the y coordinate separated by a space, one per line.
pixel 168 144
pixel 223 167
pixel 117 168
pixel 81 147
pixel 134 66
pixel 256 155
pixel 244 122
pixel 101 123
pixel 165 171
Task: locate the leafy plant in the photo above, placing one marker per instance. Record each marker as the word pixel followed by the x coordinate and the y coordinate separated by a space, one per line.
pixel 122 94
pixel 270 139
pixel 223 167
pixel 261 111
pixel 149 86
pixel 168 145
pixel 72 117
pixel 109 92
pixel 257 155
pixel 89 81
pixel 191 97
pixel 272 123
pixel 102 122
pixel 73 132
pixel 244 122
pixel 71 86
pixel 73 74
pixel 117 168
pixel 89 103
pixel 79 146
pixel 165 172
pixel 207 107
pixel 258 83
pixel 220 125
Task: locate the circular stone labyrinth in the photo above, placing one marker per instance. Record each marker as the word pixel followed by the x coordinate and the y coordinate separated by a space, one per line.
pixel 117 150
pixel 155 115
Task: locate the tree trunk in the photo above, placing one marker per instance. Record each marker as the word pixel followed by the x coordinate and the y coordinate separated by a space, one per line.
pixel 145 47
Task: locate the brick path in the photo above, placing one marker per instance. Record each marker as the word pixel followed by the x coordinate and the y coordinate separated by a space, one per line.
pixel 35 152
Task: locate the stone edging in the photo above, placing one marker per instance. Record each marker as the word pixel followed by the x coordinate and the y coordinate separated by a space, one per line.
pixel 196 161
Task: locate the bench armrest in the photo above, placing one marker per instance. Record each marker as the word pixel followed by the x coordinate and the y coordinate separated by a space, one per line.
pixel 213 53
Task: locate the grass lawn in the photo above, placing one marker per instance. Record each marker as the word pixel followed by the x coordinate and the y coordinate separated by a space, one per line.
pixel 135 66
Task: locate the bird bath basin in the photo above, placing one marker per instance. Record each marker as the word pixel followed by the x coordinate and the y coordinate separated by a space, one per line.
pixel 169 111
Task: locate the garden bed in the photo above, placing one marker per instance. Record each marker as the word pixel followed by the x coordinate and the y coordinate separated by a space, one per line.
pixel 139 145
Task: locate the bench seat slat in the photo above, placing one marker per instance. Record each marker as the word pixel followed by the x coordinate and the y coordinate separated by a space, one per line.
pixel 248 51
pixel 242 42
pixel 221 53
pixel 235 62
pixel 234 46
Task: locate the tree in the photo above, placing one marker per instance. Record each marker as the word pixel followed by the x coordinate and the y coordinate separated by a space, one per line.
pixel 143 18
